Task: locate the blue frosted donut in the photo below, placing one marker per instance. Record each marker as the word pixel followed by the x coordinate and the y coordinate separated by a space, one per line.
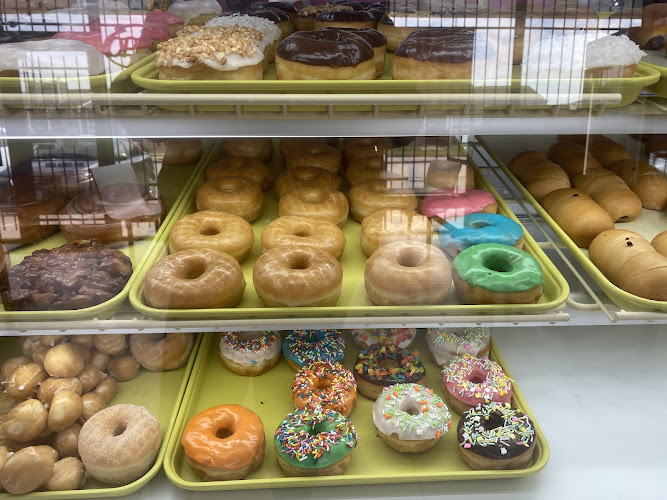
pixel 302 347
pixel 478 228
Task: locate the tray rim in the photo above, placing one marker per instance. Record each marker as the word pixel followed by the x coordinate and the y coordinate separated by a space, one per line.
pixel 542 448
pixel 137 290
pixel 617 295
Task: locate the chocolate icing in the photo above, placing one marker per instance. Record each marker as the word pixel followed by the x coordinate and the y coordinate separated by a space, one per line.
pixel 441 45
pixel 387 17
pixel 325 48
pixel 349 3
pixel 408 369
pixel 274 15
pixel 284 6
pixel 374 37
pixel 345 16
pixel 313 11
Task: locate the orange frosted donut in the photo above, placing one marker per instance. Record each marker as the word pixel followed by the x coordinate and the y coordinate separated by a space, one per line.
pixel 289 144
pixel 316 203
pixel 232 195
pixel 194 279
pixel 297 276
pixel 306 177
pixel 254 148
pixel 315 155
pixel 386 225
pixel 224 442
pixel 329 385
pixel 374 194
pixel 371 167
pixel 360 147
pixel 213 230
pixel 291 230
pixel 239 166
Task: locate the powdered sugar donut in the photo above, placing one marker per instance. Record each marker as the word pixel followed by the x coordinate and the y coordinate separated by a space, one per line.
pixel 400 337
pixel 448 343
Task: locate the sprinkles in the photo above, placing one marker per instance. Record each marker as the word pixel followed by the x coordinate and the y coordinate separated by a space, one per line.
pixel 369 365
pixel 448 343
pixel 306 346
pixel 250 348
pixel 325 384
pixel 401 337
pixel 471 379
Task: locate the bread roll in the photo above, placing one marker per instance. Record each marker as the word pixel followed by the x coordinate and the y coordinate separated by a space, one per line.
pixel 646 181
pixel 629 261
pixel 572 157
pixel 605 150
pixel 610 192
pixel 577 214
pixel 660 243
pixel 539 175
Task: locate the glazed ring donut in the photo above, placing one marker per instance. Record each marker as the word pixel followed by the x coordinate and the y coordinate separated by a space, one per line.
pixel 407 273
pixel 253 148
pixel 289 144
pixel 385 365
pixel 316 203
pixel 297 277
pixel 448 343
pixel 160 352
pixel 475 229
pixel 410 417
pixel 315 155
pixel 360 147
pixel 497 274
pixel 507 443
pixel 291 230
pixel 119 444
pixel 371 167
pixel 194 279
pixel 374 194
pixel 224 442
pixel 447 204
pixel 386 225
pixel 469 381
pixel 215 231
pixel 302 347
pixel 233 195
pixel 450 174
pixel 329 385
pixel 306 177
pixel 239 166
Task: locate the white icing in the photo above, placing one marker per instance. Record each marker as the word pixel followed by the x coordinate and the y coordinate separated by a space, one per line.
pixel 249 357
pixel 194 8
pixel 270 31
pixel 612 51
pixel 57 58
pixel 445 349
pixel 234 62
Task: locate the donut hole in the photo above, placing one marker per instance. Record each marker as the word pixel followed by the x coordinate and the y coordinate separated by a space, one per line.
pixel 410 407
pixel 318 429
pixel 477 377
pixel 209 231
pixel 224 433
pixel 312 197
pixel 323 384
pixel 409 259
pixel 494 421
pixel 194 271
pixel 301 233
pixel 299 262
pixel 119 430
pixel 497 265
pixel 389 363
pixel 479 224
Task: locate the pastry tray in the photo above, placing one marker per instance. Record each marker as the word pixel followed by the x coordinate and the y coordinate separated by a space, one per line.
pixel 159 392
pixel 147 77
pixel 648 224
pixel 657 60
pixel 172 184
pixel 373 461
pixel 353 300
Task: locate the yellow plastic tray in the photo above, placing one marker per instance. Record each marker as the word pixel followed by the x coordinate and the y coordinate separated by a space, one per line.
pixel 353 300
pixel 269 395
pixel 172 183
pixel 628 301
pixel 159 392
pixel 657 60
pixel 147 77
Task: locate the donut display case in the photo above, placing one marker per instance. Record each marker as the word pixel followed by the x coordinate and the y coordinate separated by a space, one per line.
pixel 332 249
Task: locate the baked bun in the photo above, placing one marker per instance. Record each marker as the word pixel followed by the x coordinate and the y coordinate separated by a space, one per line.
pixel 646 181
pixel 611 193
pixel 539 175
pixel 572 157
pixel 660 243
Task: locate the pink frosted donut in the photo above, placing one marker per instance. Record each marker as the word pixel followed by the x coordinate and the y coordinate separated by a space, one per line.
pixel 448 204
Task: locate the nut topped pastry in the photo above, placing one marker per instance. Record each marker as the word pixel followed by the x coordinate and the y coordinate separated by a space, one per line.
pixel 271 33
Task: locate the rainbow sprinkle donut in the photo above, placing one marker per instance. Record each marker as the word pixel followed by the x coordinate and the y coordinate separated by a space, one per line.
pixel 373 369
pixel 305 346
pixel 448 343
pixel 250 353
pixel 330 385
pixel 367 338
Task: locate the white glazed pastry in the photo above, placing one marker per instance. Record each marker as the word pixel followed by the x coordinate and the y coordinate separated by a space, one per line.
pixel 448 343
pixel 367 338
pixel 250 353
pixel 270 31
pixel 195 11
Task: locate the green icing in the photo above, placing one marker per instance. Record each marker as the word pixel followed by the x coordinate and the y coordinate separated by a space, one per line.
pixel 498 268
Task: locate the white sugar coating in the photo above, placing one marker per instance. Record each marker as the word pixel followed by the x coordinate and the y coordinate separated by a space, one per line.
pixel 268 28
pixel 194 8
pixel 57 58
pixel 612 51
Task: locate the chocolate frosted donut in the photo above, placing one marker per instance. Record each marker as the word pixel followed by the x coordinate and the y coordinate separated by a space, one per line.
pixel 376 39
pixel 396 25
pixel 280 17
pixel 305 19
pixel 349 3
pixel 325 55
pixel 284 6
pixel 345 19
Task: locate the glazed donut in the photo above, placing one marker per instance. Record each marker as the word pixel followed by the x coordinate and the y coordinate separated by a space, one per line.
pixel 315 155
pixel 375 194
pixel 25 422
pixel 213 230
pixel 306 177
pixel 233 195
pixel 161 352
pixel 361 147
pixel 448 343
pixel 315 442
pixel 250 353
pixel 302 347
pixel 495 436
pixel 28 469
pixel 497 274
pixel 194 279
pixel 291 144
pixel 450 174
pixel 299 276
pixel 240 166
pixel 68 474
pixel 329 385
pixel 448 204
pixel 253 148
pixel 291 230
pixel 469 381
pixel 22 209
pixel 182 151
pixel 224 443
pixel 410 417
pixel 119 444
pixel 660 243
pixel 315 203
pixel 368 338
pixel 65 409
pixel 387 225
pixel 407 273
pixel 25 380
pixel 475 229
pixel 372 167
pixel 385 365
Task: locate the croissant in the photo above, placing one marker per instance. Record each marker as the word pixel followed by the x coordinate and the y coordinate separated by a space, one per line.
pixel 572 157
pixel 577 214
pixel 604 149
pixel 610 192
pixel 660 243
pixel 538 174
pixel 646 181
pixel 629 261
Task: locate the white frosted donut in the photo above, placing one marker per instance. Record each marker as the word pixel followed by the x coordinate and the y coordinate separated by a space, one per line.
pixel 448 343
pixel 250 353
pixel 290 231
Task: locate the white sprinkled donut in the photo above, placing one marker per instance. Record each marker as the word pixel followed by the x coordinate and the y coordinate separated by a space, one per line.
pixel 448 343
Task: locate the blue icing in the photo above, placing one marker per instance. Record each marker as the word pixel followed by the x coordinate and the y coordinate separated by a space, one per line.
pixel 479 228
pixel 304 346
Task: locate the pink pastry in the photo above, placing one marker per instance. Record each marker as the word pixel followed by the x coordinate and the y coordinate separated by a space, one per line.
pixel 447 204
